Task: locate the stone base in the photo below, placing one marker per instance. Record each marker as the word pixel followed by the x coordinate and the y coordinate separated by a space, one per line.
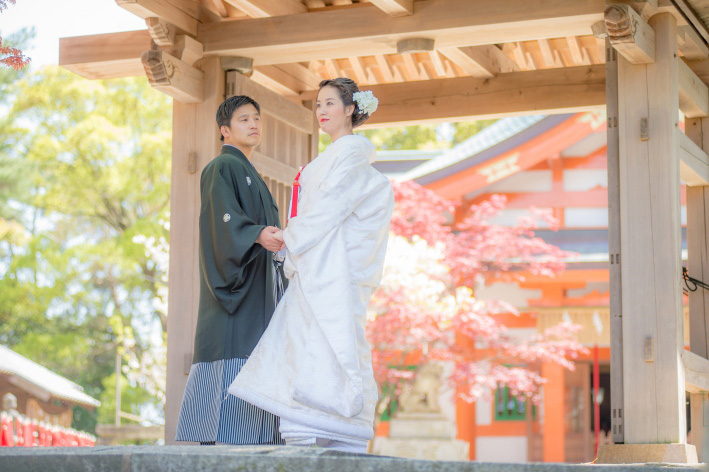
pixel 427 449
pixel 421 425
pixel 645 453
pixel 258 459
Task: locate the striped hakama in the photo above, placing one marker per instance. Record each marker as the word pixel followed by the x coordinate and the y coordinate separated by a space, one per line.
pixel 209 414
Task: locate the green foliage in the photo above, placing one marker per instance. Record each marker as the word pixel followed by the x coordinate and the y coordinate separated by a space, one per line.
pixel 84 201
pixel 132 398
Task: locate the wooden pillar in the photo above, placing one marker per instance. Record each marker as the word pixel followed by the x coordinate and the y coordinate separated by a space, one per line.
pixel 650 244
pixel 554 428
pixel 195 142
pixel 697 129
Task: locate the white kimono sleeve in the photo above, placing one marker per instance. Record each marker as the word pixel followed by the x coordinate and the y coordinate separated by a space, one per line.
pixel 336 198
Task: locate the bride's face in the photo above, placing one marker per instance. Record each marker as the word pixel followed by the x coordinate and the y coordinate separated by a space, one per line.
pixel 331 112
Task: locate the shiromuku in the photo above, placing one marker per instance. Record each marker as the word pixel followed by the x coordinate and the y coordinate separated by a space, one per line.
pixel 313 367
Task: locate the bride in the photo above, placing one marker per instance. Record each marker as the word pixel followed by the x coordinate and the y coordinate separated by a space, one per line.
pixel 313 366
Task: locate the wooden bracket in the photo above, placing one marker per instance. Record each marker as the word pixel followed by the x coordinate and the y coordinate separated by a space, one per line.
pixel 162 32
pixel 188 49
pixel 629 34
pixel 413 45
pixel 173 76
pixel 243 65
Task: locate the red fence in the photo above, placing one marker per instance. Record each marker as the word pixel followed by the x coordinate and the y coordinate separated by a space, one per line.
pixel 26 432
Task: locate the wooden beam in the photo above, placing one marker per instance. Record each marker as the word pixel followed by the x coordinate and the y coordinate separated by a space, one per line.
pixel 266 8
pixel 693 93
pixel 342 33
pixel 359 70
pixel 551 56
pixel 644 8
pixel 181 13
pixel 295 115
pixel 578 53
pixel 630 35
pixel 105 56
pixel 188 49
pixel 287 79
pixel 694 162
pixel 395 7
pixel 691 45
pixel 696 372
pixel 216 6
pixel 480 61
pixel 173 76
pixel 686 10
pixel 544 91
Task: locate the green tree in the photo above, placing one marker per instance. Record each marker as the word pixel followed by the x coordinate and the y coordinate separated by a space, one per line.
pixel 79 276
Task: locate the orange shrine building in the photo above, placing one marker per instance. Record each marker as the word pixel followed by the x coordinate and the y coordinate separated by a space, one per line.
pixel 557 162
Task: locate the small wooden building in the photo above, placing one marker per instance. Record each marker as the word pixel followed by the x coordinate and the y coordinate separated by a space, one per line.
pixel 41 394
pixel 434 60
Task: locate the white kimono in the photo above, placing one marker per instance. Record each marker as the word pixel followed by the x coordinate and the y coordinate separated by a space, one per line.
pixel 313 366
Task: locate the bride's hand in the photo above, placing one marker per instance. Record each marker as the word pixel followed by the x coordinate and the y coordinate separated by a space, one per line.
pixel 278 236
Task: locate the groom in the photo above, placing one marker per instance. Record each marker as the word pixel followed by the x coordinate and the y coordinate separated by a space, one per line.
pixel 239 285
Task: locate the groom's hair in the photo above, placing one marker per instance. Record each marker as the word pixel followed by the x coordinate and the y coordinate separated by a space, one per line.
pixel 229 106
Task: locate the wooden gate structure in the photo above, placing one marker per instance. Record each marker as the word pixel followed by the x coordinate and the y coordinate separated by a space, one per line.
pixel 438 60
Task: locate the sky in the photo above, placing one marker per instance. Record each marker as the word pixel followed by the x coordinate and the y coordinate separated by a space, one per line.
pixel 54 19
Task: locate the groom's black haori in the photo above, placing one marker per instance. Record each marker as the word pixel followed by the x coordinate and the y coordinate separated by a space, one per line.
pixel 237 297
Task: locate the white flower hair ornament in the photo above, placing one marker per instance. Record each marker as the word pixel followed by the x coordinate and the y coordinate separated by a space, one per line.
pixel 366 102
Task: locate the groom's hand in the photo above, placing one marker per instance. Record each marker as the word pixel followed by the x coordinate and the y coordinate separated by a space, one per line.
pixel 268 239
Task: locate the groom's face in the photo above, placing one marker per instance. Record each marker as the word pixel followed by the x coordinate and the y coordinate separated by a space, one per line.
pixel 244 129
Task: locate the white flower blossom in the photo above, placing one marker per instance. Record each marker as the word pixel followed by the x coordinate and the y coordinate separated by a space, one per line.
pixel 367 103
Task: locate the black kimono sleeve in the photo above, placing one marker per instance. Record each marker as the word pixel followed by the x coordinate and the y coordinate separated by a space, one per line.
pixel 227 237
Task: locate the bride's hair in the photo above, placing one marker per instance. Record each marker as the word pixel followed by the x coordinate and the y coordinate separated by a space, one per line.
pixel 347 88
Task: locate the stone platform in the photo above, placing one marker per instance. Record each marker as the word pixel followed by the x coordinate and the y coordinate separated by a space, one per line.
pixel 262 459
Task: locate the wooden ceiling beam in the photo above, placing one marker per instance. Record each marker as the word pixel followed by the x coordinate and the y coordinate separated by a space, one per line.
pixel 395 7
pixel 217 6
pixel 268 8
pixel 543 91
pixel 481 61
pixel 694 162
pixel 105 56
pixel 690 44
pixel 343 33
pixel 185 14
pixel 693 93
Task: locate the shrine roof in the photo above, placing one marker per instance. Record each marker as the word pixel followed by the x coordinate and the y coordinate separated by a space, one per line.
pixel 502 136
pixel 27 373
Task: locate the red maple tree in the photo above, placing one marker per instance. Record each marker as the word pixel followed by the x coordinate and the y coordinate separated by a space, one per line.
pixel 11 57
pixel 426 311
